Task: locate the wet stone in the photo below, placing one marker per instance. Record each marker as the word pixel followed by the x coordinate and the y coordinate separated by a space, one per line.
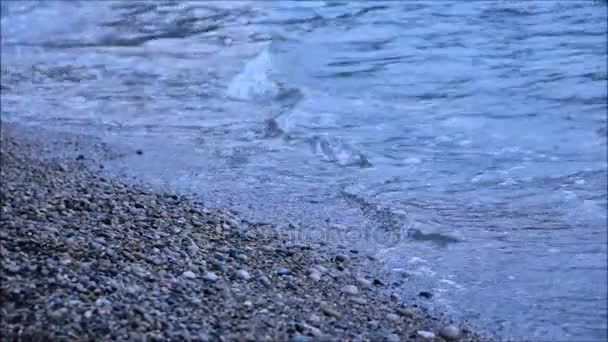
pixel 350 290
pixel 210 276
pixel 242 274
pixel 450 332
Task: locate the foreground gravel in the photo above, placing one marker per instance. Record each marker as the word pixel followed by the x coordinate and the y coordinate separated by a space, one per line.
pixel 89 258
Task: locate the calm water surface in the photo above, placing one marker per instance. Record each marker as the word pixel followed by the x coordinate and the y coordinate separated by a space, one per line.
pixel 483 121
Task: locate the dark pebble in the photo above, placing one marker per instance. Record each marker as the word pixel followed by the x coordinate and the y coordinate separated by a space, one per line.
pixel 425 294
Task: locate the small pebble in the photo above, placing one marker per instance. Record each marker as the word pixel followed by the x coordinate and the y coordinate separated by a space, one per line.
pixel 425 335
pixel 315 276
pixel 189 275
pixel 265 281
pixel 210 276
pixel 358 300
pixel 363 282
pixel 314 319
pixel 450 332
pixel 392 338
pixel 392 317
pixel 242 274
pixel 316 332
pixel 328 310
pixel 284 271
pixel 350 290
pixel 406 312
pixel 299 338
pixel 342 259
pixel 425 294
pixel 242 257
pixel 320 268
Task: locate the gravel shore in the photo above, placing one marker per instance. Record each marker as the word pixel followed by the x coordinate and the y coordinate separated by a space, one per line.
pixel 90 258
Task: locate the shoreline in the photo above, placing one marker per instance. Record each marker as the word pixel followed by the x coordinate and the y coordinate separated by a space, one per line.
pixel 111 260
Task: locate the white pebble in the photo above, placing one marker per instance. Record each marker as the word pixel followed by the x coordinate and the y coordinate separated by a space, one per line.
pixel 315 276
pixel 392 317
pixel 427 335
pixel 265 281
pixel 210 276
pixel 243 274
pixel 320 268
pixel 364 282
pixel 450 332
pixel 189 275
pixel 350 290
pixel 393 338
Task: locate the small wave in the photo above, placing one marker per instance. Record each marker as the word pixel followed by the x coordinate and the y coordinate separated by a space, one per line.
pixel 338 151
pixel 255 82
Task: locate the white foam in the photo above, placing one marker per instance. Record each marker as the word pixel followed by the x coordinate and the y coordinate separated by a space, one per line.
pixel 413 160
pixel 254 82
pixel 416 260
pixel 451 283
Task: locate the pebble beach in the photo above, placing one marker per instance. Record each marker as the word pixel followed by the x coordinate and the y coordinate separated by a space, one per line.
pixel 87 257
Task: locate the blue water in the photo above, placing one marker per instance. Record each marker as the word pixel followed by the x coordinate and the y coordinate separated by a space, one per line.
pixel 485 121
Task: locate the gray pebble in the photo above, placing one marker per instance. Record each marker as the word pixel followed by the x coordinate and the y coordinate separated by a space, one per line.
pixel 299 338
pixel 265 281
pixel 350 290
pixel 315 276
pixel 450 332
pixel 392 338
pixel 358 300
pixel 210 276
pixel 392 317
pixel 189 275
pixel 328 310
pixel 363 282
pixel 314 319
pixel 242 274
pixel 425 335
pixel 342 259
pixel 284 271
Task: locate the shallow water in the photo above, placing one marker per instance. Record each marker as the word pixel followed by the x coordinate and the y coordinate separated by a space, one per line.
pixel 481 121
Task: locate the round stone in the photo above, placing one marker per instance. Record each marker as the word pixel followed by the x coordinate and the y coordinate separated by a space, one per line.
pixel 210 276
pixel 189 275
pixel 242 274
pixel 284 271
pixel 342 259
pixel 315 276
pixel 450 332
pixel 265 281
pixel 350 290
pixel 392 317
